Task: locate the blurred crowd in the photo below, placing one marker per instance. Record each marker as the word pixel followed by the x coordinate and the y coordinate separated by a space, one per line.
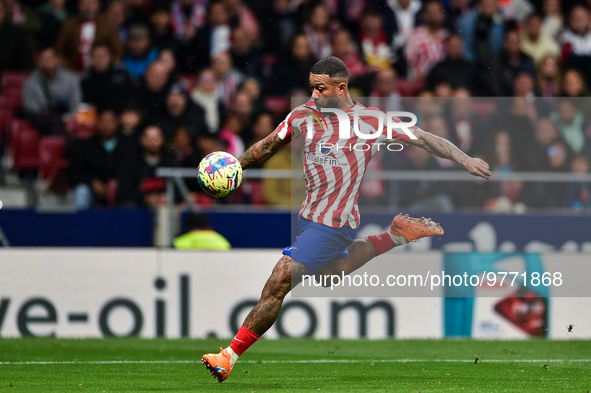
pixel 164 82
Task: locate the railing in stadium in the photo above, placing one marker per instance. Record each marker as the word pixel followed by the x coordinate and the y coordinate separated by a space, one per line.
pixel 174 177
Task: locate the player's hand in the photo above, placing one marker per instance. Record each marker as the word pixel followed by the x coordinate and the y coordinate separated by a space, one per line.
pixel 478 167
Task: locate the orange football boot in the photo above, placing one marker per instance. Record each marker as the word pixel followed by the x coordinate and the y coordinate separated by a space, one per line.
pixel 218 364
pixel 413 229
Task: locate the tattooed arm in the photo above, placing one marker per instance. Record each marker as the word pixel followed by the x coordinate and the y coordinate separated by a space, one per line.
pixel 443 148
pixel 262 150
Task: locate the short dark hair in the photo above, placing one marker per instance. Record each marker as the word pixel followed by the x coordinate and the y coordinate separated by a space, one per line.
pixel 197 221
pixel 101 44
pixel 331 66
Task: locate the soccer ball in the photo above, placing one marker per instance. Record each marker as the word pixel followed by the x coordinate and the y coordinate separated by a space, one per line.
pixel 220 174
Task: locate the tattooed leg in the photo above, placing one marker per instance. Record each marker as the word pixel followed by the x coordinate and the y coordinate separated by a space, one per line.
pixel 360 252
pixel 287 273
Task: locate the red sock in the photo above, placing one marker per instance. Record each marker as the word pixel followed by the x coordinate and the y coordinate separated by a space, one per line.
pixel 382 242
pixel 243 340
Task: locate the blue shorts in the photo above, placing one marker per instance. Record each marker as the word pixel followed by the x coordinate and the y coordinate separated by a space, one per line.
pixel 318 244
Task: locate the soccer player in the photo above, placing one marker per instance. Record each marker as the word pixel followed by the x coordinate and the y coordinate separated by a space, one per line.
pixel 329 217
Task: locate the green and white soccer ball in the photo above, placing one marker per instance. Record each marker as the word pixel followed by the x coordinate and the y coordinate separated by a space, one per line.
pixel 220 174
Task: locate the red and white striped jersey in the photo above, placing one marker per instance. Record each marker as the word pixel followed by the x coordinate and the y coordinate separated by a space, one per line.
pixel 334 167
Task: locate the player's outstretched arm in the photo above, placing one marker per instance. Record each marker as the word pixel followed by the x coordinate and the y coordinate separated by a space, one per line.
pixel 262 150
pixel 441 147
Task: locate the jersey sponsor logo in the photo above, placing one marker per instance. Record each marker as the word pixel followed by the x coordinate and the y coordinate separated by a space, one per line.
pixel 324 160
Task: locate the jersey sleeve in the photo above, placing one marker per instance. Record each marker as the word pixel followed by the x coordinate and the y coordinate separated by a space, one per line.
pixel 292 126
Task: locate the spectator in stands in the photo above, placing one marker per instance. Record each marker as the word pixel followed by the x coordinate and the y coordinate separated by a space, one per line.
pixel 518 120
pixel 384 94
pixel 424 47
pixel 186 17
pixel 242 106
pixel 576 41
pixel 210 40
pixel 227 78
pixel 482 32
pixel 465 127
pixel 204 94
pixel 182 112
pixel 456 9
pixel 553 20
pixel 292 71
pixel 23 16
pixel 573 84
pixel 230 134
pixel 97 163
pixel 280 27
pixel 168 58
pixel 116 13
pixel 16 51
pixel 239 14
pixel 549 78
pixel 545 134
pixel 52 15
pixel 344 48
pixel 50 92
pixel 571 123
pixel 244 58
pixel 152 189
pixel 375 43
pixel 131 120
pixel 182 146
pixel 524 85
pixel 543 195
pixel 152 92
pixel 578 194
pixel 105 84
pixel 263 125
pixel 140 52
pixel 137 11
pixel 406 13
pixel 503 158
pixel 200 235
pixel 80 31
pixel 252 89
pixel 206 144
pixel 319 30
pixel 535 43
pixel 160 26
pixel 454 69
pixel 429 195
pixel 511 62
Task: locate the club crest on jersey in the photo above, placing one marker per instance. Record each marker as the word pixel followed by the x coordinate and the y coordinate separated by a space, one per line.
pixel 324 148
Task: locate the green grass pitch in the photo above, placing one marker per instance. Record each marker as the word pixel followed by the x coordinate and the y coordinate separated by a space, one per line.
pixel 296 365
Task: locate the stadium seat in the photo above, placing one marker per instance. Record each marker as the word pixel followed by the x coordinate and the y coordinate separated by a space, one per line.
pixel 5 116
pixel 14 126
pixel 277 105
pixel 25 149
pixel 11 99
pixel 52 163
pixel 82 131
pixel 409 88
pixel 14 79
